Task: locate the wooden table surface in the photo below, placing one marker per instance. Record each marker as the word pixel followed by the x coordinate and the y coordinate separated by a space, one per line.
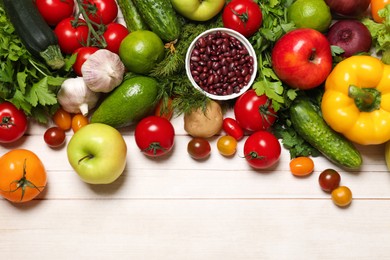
pixel 179 208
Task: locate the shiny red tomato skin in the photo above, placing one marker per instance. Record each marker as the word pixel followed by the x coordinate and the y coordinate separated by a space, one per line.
pixel 70 37
pixel 54 136
pixel 13 123
pixel 253 112
pixel 154 136
pixel 243 16
pixel 232 128
pixel 54 11
pixel 262 150
pixel 113 35
pixel 82 55
pixel 106 12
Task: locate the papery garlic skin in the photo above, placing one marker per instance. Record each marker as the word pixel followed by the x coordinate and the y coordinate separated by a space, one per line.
pixel 103 71
pixel 75 97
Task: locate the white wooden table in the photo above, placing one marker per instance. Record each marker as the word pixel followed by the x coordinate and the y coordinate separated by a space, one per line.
pixel 179 208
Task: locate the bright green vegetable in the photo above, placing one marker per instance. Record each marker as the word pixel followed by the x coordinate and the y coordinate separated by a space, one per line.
pixel 309 124
pixel 133 19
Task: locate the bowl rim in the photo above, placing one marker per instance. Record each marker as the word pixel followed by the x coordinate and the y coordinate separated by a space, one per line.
pixel 247 45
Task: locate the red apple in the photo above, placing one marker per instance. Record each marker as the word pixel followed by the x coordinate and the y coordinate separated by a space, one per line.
pixel 302 58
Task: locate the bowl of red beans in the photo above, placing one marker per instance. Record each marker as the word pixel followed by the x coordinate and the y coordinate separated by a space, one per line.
pixel 221 63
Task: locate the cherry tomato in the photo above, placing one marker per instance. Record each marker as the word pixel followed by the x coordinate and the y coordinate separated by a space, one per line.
pixel 232 128
pixel 78 121
pixel 301 166
pixel 82 55
pixel 262 150
pixel 154 135
pixel 329 180
pixel 23 175
pixel 253 112
pixel 227 145
pixel 54 136
pixel 198 148
pixel 54 11
pixel 164 108
pixel 376 6
pixel 113 35
pixel 342 196
pixel 62 119
pixel 71 36
pixel 243 16
pixel 101 11
pixel 13 123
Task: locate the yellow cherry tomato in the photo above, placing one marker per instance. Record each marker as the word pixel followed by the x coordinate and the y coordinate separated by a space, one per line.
pixel 301 166
pixel 342 196
pixel 78 121
pixel 62 119
pixel 227 145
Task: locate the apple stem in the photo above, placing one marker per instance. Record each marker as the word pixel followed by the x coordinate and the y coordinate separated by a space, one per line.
pixel 313 54
pixel 88 156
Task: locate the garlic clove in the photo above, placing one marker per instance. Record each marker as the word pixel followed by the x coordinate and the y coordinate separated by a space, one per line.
pixel 103 71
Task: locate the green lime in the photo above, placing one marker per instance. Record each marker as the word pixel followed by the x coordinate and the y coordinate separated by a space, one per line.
pixel 141 50
pixel 314 14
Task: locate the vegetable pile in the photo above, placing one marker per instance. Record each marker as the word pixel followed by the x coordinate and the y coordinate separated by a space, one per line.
pixel 80 63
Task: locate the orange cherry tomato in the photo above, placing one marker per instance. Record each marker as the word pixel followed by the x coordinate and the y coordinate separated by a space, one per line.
pixel 227 145
pixel 23 175
pixel 377 5
pixel 164 108
pixel 301 166
pixel 78 121
pixel 62 119
pixel 342 196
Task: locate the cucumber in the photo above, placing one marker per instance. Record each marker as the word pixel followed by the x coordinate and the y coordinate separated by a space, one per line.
pixel 133 19
pixel 39 39
pixel 161 18
pixel 310 125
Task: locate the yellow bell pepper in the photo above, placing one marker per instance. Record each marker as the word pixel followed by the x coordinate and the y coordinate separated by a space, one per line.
pixel 356 101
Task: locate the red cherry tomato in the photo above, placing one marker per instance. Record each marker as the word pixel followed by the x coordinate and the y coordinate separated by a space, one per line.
pixel 101 11
pixel 329 180
pixel 253 112
pixel 54 136
pixel 13 123
pixel 82 55
pixel 113 35
pixel 198 148
pixel 71 36
pixel 54 11
pixel 243 16
pixel 262 150
pixel 232 128
pixel 154 135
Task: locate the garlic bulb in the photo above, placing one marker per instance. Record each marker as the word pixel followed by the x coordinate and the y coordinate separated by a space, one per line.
pixel 75 97
pixel 103 71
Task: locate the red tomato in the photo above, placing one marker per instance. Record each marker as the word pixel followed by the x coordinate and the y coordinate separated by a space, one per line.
pixel 154 135
pixel 13 123
pixel 113 35
pixel 71 36
pixel 199 148
pixel 54 136
pixel 262 150
pixel 101 11
pixel 243 16
pixel 82 55
pixel 54 11
pixel 254 112
pixel 232 128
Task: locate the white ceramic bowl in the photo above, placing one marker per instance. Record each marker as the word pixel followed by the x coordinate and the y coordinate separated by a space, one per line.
pixel 245 43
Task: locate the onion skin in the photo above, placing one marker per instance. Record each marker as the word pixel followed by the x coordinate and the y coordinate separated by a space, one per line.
pixel 349 8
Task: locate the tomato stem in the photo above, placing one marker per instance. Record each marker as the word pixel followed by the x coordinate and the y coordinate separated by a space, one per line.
pixel 154 147
pixel 7 121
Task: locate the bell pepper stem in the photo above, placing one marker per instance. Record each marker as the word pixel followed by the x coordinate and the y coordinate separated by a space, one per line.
pixel 366 99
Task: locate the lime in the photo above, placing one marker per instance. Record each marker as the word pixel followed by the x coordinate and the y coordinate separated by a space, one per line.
pixel 314 14
pixel 141 50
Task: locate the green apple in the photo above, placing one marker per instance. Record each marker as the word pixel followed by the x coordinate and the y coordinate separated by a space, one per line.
pixel 198 10
pixel 97 152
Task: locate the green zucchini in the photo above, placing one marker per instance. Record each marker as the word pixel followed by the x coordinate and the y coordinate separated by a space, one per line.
pixel 161 18
pixel 132 18
pixel 39 39
pixel 310 125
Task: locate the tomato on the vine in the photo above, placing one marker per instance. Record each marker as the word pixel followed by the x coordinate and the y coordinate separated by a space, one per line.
pixel 342 196
pixel 198 148
pixel 78 121
pixel 82 55
pixel 54 136
pixel 262 150
pixel 101 11
pixel 13 122
pixel 54 11
pixel 243 16
pixel 227 145
pixel 23 175
pixel 301 166
pixel 232 128
pixel 62 119
pixel 154 135
pixel 253 112
pixel 71 35
pixel 113 35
